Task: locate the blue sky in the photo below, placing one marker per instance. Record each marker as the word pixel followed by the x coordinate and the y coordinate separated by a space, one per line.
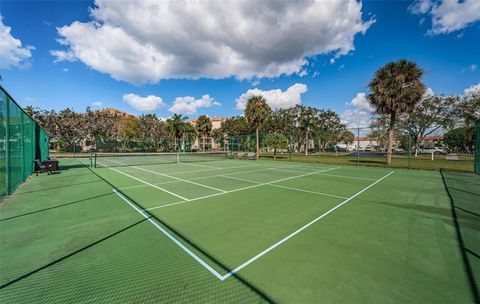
pixel 326 55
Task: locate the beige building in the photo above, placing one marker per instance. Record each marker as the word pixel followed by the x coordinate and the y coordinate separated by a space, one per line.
pixel 210 144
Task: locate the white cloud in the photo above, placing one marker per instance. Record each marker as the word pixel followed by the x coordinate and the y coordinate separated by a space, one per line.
pixel 190 105
pixel 143 104
pixel 470 68
pixel 63 55
pixel 428 92
pixel 448 15
pixel 358 111
pixel 276 99
pixel 146 41
pixel 356 117
pixel 65 69
pixel 473 89
pixel 97 104
pixel 12 52
pixel 360 101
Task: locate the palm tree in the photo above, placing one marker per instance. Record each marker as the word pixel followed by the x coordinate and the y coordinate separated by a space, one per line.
pixel 175 125
pixel 204 127
pixel 256 113
pixel 395 89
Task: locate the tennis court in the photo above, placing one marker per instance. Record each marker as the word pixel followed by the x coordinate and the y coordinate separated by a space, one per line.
pixel 168 228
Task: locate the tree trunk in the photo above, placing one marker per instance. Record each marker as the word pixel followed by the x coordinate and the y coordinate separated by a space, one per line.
pixel 203 139
pixel 390 139
pixel 274 153
pixel 257 154
pixel 306 142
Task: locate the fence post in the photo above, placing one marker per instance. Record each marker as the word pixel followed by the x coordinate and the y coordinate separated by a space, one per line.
pixel 409 150
pixel 290 147
pixel 477 147
pixel 74 147
pixel 358 147
pixel 7 146
pixel 319 145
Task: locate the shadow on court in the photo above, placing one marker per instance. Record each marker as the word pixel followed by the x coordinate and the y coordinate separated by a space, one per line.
pixel 464 193
pixel 263 296
pixel 63 263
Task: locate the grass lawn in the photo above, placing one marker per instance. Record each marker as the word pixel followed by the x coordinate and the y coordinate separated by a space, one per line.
pixel 423 162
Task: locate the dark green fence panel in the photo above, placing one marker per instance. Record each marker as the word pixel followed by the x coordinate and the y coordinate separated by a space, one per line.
pixel 21 142
pixel 477 147
pixel 3 145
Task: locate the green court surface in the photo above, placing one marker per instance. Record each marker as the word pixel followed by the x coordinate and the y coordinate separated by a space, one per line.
pixel 240 231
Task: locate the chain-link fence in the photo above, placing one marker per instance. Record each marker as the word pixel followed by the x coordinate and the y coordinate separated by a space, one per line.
pixel 477 147
pixel 440 149
pixel 21 142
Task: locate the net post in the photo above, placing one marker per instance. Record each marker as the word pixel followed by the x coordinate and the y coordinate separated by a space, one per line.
pixel 178 158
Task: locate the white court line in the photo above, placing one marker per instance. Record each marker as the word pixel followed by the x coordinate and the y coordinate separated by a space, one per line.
pixel 171 237
pixel 147 183
pixel 217 168
pixel 256 257
pixel 240 189
pixel 348 176
pixel 213 176
pixel 301 229
pixel 285 187
pixel 197 165
pixel 172 177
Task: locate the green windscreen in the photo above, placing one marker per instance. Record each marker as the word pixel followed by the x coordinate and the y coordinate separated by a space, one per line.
pixel 477 147
pixel 20 144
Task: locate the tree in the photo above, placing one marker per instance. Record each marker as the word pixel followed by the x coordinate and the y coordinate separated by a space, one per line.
pixel 328 129
pixel 188 134
pixel 347 137
pixel 459 140
pixel 276 141
pixel 431 114
pixel 151 130
pixel 306 121
pixel 395 89
pixel 128 130
pixel 468 107
pixel 175 126
pixel 256 113
pixel 236 126
pixel 203 127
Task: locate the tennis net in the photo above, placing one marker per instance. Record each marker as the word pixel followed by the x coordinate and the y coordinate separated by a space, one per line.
pixel 102 160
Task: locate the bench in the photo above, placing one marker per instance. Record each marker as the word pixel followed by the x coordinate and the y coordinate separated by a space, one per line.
pixel 47 166
pixel 249 155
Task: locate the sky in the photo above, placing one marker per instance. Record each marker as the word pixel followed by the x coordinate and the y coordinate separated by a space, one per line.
pixel 209 57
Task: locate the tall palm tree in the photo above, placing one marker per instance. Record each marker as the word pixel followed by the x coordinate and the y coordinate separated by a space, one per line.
pixel 256 113
pixel 175 125
pixel 395 89
pixel 204 127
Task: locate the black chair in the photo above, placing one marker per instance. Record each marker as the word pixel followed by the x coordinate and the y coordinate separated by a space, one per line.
pixel 42 168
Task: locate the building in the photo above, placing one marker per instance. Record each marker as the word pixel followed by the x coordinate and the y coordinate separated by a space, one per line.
pixel 210 144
